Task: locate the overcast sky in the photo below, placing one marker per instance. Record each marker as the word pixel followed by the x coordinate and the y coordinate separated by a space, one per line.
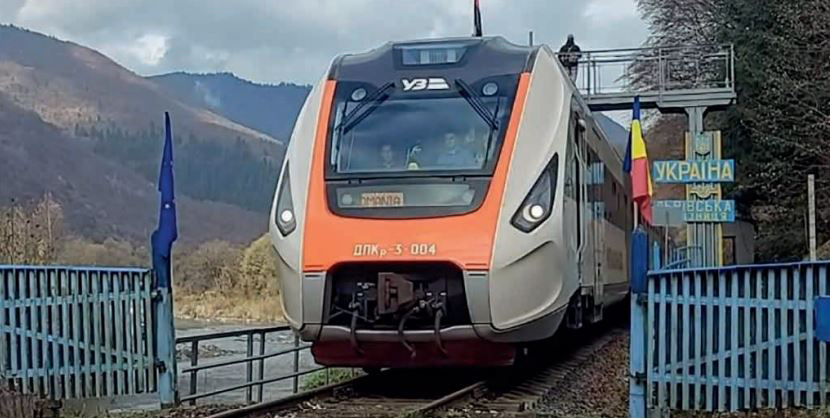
pixel 294 40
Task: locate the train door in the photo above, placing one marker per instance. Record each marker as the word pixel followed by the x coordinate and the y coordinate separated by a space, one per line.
pixel 597 190
pixel 571 209
pixel 585 254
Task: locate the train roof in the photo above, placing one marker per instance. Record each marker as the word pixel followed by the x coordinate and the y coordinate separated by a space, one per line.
pixel 486 55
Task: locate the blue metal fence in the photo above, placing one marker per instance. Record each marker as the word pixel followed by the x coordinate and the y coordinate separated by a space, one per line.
pixel 70 332
pixel 727 339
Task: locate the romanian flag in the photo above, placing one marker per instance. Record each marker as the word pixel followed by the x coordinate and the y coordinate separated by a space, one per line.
pixel 637 165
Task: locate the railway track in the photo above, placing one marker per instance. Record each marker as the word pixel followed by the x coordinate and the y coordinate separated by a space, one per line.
pixel 510 392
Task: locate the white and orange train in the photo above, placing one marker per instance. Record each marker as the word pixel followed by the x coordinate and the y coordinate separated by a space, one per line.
pixel 444 202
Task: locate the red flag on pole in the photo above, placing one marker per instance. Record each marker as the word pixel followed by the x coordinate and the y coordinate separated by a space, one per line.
pixel 637 165
pixel 476 18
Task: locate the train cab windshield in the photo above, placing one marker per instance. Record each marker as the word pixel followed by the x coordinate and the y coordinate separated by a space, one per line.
pixel 416 129
pixel 415 147
pixel 446 127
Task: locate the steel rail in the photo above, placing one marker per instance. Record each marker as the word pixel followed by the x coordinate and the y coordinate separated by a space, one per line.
pixel 287 402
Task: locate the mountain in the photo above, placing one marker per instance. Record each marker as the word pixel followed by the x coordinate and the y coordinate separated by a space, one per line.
pixel 268 108
pixel 86 95
pixel 69 85
pixel 100 198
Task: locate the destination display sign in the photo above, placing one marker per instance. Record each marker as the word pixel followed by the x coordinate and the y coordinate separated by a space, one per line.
pixel 381 199
pixel 696 210
pixel 694 171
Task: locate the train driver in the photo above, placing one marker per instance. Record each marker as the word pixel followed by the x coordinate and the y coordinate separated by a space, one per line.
pixel 455 156
pixel 387 158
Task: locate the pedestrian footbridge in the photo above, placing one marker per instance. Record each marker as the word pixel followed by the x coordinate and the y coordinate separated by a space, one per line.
pixel 667 78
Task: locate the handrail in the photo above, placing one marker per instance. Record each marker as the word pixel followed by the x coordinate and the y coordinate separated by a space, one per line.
pixel 228 334
pixel 664 47
pixel 252 380
pixel 243 360
pixel 95 269
pixel 666 70
pixel 251 384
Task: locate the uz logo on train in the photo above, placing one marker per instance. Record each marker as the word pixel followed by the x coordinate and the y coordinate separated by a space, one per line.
pixel 420 84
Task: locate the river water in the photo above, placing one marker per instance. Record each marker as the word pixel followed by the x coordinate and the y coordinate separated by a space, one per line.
pixel 222 350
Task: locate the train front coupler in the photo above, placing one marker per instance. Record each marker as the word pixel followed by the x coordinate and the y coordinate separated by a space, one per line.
pixel 395 300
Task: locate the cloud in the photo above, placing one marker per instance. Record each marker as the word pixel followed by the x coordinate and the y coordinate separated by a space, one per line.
pixel 610 11
pixel 148 49
pixel 295 40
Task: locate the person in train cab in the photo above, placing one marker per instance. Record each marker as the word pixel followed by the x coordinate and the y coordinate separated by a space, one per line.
pixel 412 157
pixel 569 55
pixel 455 156
pixel 387 158
pixel 477 145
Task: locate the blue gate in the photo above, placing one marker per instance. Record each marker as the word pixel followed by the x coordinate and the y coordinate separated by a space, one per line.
pixel 69 332
pixel 727 339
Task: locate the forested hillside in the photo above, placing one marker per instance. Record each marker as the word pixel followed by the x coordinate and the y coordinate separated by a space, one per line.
pixel 86 97
pixel 268 108
pixel 100 198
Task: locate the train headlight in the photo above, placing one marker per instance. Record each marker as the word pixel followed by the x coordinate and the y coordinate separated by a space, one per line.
pixel 284 215
pixel 538 204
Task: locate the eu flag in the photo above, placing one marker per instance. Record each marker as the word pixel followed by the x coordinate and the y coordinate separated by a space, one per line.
pixel 167 232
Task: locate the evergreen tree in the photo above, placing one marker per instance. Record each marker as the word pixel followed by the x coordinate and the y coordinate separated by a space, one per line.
pixel 779 130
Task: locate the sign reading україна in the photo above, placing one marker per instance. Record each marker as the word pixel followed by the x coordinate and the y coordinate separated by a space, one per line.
pixel 694 171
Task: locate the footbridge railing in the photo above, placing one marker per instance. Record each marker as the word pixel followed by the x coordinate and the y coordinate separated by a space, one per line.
pixel 664 76
pixel 733 338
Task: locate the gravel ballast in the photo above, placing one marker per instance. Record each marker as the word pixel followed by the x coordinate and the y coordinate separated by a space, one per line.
pixel 597 388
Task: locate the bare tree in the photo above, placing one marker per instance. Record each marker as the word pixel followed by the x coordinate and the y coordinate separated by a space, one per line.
pixel 31 234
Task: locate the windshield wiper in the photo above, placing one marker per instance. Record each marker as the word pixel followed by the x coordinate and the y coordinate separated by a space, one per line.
pixel 375 99
pixel 476 104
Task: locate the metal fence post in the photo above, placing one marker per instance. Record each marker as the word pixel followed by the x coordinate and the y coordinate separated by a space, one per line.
pixel 261 365
pixel 194 361
pixel 655 256
pixel 249 371
pixel 637 354
pixel 296 363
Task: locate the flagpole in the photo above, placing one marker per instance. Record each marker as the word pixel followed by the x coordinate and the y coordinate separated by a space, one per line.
pixel 636 215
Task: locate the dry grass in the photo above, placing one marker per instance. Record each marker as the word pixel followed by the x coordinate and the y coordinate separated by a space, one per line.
pixel 220 282
pixel 216 306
